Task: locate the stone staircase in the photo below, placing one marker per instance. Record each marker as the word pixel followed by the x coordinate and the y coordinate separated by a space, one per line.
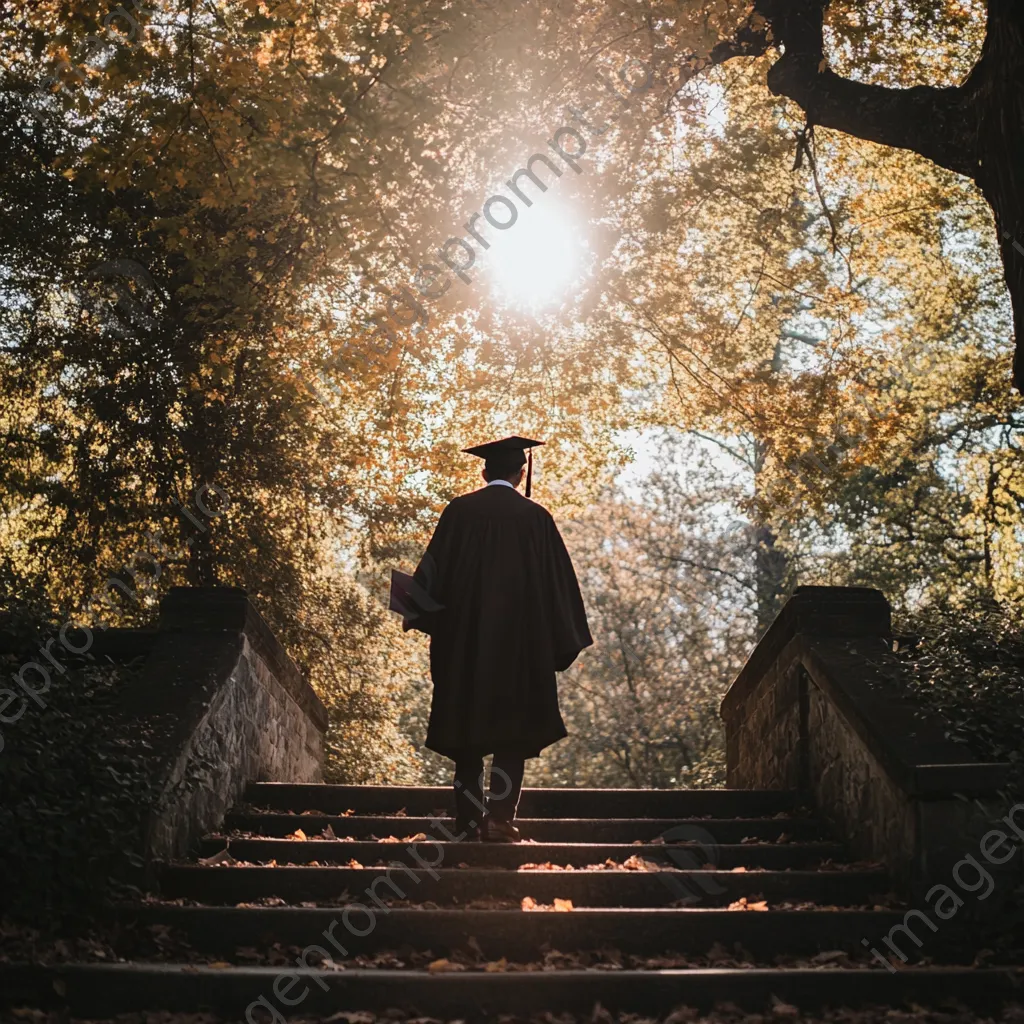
pixel 319 899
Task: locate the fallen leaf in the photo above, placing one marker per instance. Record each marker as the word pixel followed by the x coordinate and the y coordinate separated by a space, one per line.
pixel 717 953
pixel 221 857
pixel 744 904
pixel 637 863
pixel 439 966
pixel 298 834
pixel 829 956
pixel 563 905
pixel 682 1016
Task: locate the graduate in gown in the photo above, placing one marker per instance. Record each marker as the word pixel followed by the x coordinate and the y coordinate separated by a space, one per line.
pixel 497 594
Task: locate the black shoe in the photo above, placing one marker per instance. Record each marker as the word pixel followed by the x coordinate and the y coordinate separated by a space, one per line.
pixel 466 832
pixel 496 831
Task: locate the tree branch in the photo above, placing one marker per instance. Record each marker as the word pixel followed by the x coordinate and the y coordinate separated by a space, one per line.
pixel 975 129
pixel 935 122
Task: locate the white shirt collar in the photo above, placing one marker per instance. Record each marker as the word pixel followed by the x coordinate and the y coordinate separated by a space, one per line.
pixel 499 483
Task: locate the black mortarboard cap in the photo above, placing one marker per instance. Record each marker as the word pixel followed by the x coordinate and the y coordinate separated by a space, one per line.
pixel 510 452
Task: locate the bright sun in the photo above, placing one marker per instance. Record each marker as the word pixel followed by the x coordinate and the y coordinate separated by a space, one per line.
pixel 534 263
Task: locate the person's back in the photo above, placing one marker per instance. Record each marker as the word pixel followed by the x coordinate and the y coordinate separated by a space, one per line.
pixel 510 616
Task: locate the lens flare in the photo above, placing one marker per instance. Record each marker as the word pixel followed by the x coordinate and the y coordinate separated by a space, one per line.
pixel 534 263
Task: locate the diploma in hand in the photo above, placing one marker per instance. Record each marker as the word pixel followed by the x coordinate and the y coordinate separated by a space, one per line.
pixel 409 598
pixel 401 587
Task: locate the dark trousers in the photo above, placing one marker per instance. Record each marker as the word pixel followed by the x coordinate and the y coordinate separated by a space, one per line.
pixel 506 787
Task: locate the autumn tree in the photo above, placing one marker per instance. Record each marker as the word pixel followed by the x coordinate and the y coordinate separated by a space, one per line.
pixel 664 565
pixel 198 233
pixel 166 214
pixel 973 127
pixel 243 245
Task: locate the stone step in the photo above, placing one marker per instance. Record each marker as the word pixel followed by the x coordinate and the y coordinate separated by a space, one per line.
pixel 423 801
pixel 523 937
pixel 778 856
pixel 227 885
pixel 543 830
pixel 257 992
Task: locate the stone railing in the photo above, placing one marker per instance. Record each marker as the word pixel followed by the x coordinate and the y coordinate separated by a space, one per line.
pixel 816 708
pixel 223 704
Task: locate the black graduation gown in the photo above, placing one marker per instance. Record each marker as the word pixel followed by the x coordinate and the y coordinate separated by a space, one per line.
pixel 512 615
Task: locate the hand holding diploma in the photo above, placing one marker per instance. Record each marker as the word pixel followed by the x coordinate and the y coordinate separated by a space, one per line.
pixel 411 598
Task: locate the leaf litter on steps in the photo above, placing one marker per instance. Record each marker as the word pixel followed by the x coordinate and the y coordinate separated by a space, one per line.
pixel 724 1013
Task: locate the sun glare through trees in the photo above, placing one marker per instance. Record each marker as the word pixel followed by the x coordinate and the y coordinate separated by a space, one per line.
pixel 541 258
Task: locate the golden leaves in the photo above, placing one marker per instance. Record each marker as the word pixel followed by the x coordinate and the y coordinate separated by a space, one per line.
pixel 744 904
pixel 559 905
pixel 444 966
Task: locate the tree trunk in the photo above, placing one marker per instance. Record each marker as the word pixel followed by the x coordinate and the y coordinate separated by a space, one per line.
pixel 202 561
pixel 998 82
pixel 771 563
pixel 771 566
